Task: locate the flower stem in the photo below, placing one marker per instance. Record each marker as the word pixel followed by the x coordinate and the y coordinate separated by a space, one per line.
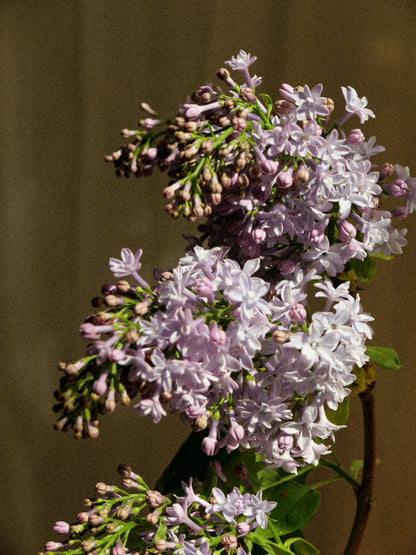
pixel 364 493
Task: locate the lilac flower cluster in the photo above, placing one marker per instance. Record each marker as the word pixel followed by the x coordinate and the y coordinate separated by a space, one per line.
pixel 189 525
pixel 276 180
pixel 206 343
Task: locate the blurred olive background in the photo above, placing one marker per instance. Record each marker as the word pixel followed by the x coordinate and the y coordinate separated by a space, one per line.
pixel 74 73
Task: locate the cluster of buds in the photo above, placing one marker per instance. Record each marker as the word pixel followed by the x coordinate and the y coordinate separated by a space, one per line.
pixel 117 522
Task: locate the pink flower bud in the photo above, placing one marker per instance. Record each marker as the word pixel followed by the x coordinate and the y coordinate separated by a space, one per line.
pixel 398 188
pixel 297 313
pixel 242 528
pixel 282 107
pixel 229 542
pixel 286 267
pixel 286 91
pixel 258 235
pixel 387 170
pixel 247 94
pixel 346 231
pixel 285 442
pixel 61 527
pixel 154 498
pixel 399 212
pixel 316 236
pixel 356 137
pixel 284 180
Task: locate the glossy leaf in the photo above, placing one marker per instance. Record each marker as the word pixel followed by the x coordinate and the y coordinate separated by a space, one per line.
pixel 296 506
pixel 384 357
pixel 339 416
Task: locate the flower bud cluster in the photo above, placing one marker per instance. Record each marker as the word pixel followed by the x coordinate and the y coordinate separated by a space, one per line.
pixel 225 350
pixel 279 180
pixel 148 522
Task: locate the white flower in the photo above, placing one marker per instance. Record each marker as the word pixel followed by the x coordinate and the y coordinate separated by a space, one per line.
pixel 356 105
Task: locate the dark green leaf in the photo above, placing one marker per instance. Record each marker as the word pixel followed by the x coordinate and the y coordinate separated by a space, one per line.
pixel 233 462
pixel 301 547
pixel 355 467
pixel 210 481
pixel 296 506
pixel 384 357
pixel 339 416
pixel 161 533
pixel 365 270
pixel 189 461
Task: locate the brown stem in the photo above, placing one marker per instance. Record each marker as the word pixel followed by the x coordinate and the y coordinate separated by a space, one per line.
pixel 364 493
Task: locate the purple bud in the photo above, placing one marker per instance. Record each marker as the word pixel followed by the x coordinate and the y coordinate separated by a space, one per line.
pixel 242 528
pixel 285 180
pixel 247 94
pixel 399 212
pixel 285 442
pixel 286 91
pixel 53 546
pixel 355 137
pixel 62 527
pixel 297 313
pixel 316 236
pixel 258 235
pixel 229 542
pixel 154 498
pixel 117 355
pixel 203 286
pixel 346 231
pixel 286 267
pixel 398 188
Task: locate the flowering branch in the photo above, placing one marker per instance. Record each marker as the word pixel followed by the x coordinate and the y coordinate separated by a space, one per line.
pixel 294 207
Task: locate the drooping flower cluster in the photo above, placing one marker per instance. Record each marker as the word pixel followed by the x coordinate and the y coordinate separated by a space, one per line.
pixel 117 522
pixel 206 343
pixel 276 180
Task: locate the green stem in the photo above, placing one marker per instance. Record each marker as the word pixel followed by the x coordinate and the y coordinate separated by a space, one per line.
pixel 324 482
pixel 340 471
pixel 364 492
pixel 288 478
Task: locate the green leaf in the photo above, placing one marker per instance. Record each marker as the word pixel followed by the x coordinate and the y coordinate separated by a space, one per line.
pixel 355 467
pixel 381 256
pixel 268 102
pixel 339 416
pixel 296 506
pixel 301 547
pixel 210 481
pixel 365 270
pixel 384 357
pixel 189 461
pixel 247 459
pixel 161 533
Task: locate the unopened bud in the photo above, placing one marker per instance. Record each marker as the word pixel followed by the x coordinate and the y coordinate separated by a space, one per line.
pixel 154 498
pixel 101 488
pixel 279 336
pixel 132 336
pixel 141 309
pixel 161 545
pixel 200 423
pixel 282 107
pixel 330 104
pixel 152 518
pixel 223 74
pixel 123 513
pixel 387 170
pixel 146 108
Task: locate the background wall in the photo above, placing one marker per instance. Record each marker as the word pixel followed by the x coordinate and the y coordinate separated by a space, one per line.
pixel 74 74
